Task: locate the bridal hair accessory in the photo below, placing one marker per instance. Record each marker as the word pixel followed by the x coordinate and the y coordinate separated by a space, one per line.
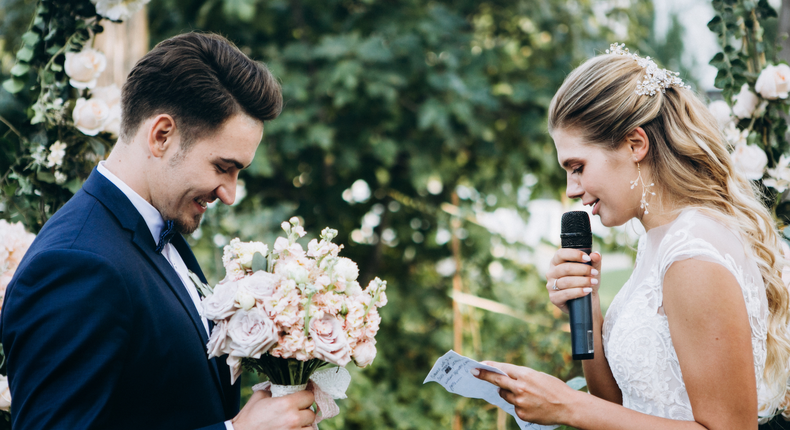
pixel 645 189
pixel 656 79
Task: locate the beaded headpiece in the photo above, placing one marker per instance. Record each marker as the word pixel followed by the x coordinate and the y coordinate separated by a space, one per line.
pixel 656 79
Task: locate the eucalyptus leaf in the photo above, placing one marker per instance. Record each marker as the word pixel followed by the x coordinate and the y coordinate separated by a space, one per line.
pixel 259 262
pixel 24 54
pixel 20 69
pixel 13 85
pixel 31 38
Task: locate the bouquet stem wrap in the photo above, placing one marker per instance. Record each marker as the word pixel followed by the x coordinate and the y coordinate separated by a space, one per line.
pixel 326 385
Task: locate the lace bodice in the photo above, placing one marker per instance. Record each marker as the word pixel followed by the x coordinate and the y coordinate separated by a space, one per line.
pixel 636 336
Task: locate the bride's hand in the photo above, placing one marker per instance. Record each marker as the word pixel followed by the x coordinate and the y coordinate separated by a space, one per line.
pixel 539 398
pixel 567 279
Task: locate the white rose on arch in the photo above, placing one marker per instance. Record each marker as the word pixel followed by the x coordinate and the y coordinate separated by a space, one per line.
pixel 774 82
pixel 745 103
pixel 118 10
pixel 750 160
pixel 90 115
pixel 722 112
pixel 83 68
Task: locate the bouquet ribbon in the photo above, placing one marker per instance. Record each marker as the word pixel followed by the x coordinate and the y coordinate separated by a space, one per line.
pixel 326 385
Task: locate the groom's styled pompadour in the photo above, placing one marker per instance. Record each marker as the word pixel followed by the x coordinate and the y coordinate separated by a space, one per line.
pixel 201 80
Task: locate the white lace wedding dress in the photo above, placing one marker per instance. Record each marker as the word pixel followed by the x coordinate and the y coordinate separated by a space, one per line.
pixel 636 337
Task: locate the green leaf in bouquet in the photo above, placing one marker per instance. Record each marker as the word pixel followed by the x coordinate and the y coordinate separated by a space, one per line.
pixel 20 69
pixel 25 54
pixel 259 262
pixel 13 85
pixel 31 38
pixel 205 290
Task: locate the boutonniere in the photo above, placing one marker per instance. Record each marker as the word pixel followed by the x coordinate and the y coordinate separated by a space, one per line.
pixel 202 289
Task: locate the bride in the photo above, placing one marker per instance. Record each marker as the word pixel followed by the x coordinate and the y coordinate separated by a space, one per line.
pixel 697 338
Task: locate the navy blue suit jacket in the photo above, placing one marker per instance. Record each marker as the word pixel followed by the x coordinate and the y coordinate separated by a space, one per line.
pixel 99 331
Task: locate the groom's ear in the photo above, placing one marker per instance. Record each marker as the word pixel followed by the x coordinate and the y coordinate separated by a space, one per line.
pixel 163 135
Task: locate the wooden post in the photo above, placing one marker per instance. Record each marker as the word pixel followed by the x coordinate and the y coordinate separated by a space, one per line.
pixel 123 44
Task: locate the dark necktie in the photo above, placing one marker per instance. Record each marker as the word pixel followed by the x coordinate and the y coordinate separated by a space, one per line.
pixel 167 233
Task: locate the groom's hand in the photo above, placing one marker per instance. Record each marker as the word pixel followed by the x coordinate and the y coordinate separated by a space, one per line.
pixel 262 412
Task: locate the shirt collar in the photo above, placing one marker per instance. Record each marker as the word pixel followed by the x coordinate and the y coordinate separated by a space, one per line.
pixel 153 219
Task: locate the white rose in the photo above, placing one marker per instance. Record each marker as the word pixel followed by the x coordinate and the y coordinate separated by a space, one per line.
pixel 260 284
pixel 331 343
pixel 222 303
pixel 750 160
pixel 773 82
pixel 722 112
pixel 245 300
pixel 364 353
pixel 118 10
pixel 218 344
pixel 251 332
pixel 346 268
pixel 84 67
pixel 90 115
pixel 779 176
pixel 745 102
pixel 111 94
pixel 113 123
pixel 5 394
pixel 294 271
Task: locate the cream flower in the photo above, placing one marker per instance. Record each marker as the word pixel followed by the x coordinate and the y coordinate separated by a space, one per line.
pixel 364 353
pixel 90 115
pixel 56 153
pixel 5 394
pixel 750 160
pixel 722 112
pixel 779 176
pixel 774 82
pixel 745 103
pixel 251 332
pixel 331 343
pixel 260 284
pixel 84 67
pixel 346 269
pixel 118 10
pixel 218 344
pixel 222 303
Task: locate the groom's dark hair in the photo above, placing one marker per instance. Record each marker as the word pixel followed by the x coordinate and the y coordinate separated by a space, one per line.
pixel 201 80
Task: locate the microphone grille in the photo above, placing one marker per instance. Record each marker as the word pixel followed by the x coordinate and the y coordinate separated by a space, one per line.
pixel 576 232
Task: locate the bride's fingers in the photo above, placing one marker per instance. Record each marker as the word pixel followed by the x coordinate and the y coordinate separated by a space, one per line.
pixel 571 269
pixel 564 255
pixel 569 282
pixel 560 298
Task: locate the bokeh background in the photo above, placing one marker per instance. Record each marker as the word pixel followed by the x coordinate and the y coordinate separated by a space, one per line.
pixel 418 130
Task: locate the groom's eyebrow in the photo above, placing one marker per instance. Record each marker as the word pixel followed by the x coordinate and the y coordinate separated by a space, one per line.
pixel 234 162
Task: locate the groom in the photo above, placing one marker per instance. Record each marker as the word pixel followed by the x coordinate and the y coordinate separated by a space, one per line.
pixel 100 325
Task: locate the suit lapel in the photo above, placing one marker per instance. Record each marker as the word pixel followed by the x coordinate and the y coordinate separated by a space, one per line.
pixel 130 219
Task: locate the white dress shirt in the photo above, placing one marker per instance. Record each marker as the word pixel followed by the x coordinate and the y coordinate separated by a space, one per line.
pixel 153 219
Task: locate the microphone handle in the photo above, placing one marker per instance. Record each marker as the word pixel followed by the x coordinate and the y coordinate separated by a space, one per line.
pixel 580 311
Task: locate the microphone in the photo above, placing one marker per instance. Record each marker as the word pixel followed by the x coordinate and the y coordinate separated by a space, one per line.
pixel 576 234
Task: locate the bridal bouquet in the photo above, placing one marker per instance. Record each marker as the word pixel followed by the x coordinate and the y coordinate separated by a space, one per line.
pixel 287 312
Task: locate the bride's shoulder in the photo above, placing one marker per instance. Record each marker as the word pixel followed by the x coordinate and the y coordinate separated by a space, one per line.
pixel 707 228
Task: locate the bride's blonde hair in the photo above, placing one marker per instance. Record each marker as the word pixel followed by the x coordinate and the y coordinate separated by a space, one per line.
pixel 690 156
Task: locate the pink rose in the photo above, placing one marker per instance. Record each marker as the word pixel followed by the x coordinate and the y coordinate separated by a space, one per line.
pixel 364 353
pixel 251 332
pixel 260 284
pixel 218 342
pixel 222 303
pixel 331 344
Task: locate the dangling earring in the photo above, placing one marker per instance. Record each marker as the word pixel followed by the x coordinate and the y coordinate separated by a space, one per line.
pixel 645 189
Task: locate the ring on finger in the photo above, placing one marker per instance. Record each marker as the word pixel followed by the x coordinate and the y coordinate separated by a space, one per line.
pixel 554 287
